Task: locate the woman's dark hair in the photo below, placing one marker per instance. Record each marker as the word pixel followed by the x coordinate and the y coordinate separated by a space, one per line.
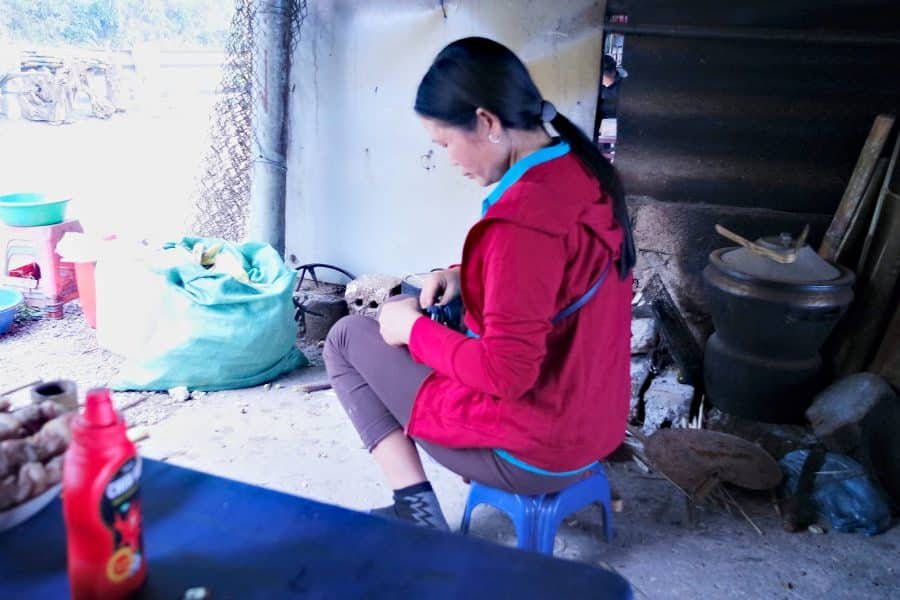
pixel 477 72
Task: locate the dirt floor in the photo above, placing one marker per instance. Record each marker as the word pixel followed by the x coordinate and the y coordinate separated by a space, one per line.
pixel 302 444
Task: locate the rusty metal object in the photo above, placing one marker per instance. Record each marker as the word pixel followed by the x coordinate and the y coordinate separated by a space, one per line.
pixel 697 460
pixel 310 269
pixel 317 309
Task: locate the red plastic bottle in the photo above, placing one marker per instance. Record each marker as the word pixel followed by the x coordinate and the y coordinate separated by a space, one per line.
pixel 101 505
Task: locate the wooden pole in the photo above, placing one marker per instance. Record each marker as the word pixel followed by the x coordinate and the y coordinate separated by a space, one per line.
pixel 856 187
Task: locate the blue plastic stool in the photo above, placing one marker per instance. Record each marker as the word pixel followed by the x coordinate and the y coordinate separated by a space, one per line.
pixel 536 518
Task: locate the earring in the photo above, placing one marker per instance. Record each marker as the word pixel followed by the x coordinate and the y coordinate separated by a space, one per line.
pixel 494 139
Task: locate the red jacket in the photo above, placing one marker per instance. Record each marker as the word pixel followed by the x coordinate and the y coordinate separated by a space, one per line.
pixel 554 396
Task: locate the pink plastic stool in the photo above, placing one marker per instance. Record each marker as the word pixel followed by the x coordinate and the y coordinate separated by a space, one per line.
pixel 55 285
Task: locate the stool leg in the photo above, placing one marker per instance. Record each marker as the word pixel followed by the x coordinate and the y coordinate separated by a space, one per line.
pixel 607 520
pixel 548 524
pixel 546 540
pixel 605 501
pixel 466 518
pixel 525 528
pixel 522 511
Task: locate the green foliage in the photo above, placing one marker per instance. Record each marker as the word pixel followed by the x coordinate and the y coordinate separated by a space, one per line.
pixel 116 23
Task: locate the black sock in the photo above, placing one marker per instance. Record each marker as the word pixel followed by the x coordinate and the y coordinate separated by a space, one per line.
pixel 416 504
pixel 413 489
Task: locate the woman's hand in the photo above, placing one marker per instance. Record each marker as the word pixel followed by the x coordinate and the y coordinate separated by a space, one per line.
pixel 443 284
pixel 396 320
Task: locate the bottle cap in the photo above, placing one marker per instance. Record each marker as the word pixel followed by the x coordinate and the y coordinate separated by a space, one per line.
pixel 98 410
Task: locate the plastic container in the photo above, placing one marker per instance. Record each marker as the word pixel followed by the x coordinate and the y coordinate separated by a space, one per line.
pixel 87 291
pixel 9 305
pixel 61 391
pixel 56 285
pixel 101 505
pixel 83 251
pixel 32 210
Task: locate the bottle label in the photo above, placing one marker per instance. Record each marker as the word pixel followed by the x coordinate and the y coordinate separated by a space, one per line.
pixel 120 509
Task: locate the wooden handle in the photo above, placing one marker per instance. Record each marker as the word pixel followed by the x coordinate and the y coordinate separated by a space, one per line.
pixel 137 434
pixel 784 257
pixel 21 387
pixel 314 387
pixel 801 241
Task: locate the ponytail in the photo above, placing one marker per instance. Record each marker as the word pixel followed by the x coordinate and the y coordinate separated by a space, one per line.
pixel 598 165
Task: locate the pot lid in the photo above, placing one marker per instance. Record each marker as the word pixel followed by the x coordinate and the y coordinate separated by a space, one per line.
pixel 806 267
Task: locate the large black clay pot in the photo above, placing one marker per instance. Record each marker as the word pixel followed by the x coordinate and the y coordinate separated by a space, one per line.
pixel 771 319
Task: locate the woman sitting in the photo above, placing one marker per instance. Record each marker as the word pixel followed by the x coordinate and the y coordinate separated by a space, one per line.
pixel 536 390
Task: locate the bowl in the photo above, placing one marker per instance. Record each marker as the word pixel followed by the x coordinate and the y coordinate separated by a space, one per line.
pixel 18 514
pixel 32 210
pixel 9 304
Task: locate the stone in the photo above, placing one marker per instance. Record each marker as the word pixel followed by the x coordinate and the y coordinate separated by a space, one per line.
pixel 839 409
pixel 180 394
pixel 644 335
pixel 640 372
pixel 366 294
pixel 859 416
pixel 816 529
pixel 667 401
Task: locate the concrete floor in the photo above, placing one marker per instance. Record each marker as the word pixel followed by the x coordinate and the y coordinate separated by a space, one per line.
pixel 303 444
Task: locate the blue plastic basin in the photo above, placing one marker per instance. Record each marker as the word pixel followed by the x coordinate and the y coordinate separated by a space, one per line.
pixel 32 209
pixel 9 304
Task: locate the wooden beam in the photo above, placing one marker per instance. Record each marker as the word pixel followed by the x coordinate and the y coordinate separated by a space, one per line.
pixel 676 334
pixel 876 298
pixel 856 187
pixel 850 248
pixel 889 179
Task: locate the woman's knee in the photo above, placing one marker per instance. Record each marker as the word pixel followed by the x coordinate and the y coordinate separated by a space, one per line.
pixel 340 335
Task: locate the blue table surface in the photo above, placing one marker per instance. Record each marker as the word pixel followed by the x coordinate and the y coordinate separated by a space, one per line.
pixel 243 541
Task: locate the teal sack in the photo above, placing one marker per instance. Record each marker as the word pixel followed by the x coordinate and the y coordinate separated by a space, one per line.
pixel 226 326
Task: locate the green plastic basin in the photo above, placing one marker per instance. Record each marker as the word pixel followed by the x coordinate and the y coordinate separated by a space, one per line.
pixel 32 210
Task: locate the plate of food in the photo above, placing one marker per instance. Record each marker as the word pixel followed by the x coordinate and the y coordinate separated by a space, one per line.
pixel 33 439
pixel 21 513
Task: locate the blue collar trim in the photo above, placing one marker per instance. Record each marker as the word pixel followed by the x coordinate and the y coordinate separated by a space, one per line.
pixel 520 168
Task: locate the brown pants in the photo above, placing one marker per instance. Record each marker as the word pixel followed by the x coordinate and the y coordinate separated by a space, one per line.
pixel 377 386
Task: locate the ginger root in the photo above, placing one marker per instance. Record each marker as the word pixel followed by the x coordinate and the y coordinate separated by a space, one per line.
pixel 30 465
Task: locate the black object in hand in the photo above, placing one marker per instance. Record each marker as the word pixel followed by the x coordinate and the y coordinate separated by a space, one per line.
pixel 446 314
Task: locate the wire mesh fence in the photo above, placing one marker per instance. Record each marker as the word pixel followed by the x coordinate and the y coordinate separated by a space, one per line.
pixel 221 202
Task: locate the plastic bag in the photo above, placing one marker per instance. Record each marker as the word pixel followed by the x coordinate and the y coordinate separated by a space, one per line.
pixel 179 323
pixel 841 492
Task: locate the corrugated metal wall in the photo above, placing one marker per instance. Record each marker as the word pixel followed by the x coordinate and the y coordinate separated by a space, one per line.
pixel 757 103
